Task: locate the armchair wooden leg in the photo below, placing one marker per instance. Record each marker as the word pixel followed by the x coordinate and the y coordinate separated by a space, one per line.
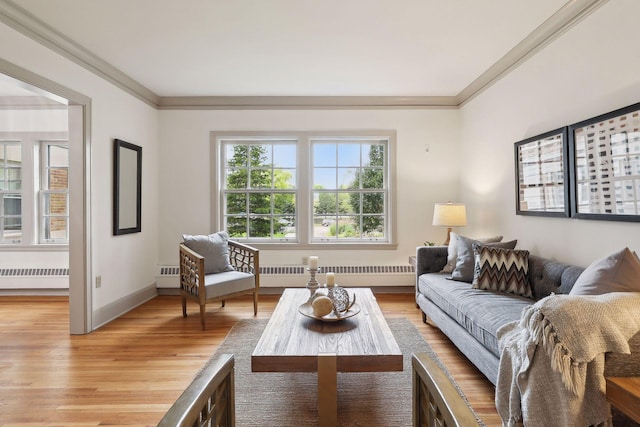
pixel 203 313
pixel 184 307
pixel 223 303
pixel 424 317
pixel 255 303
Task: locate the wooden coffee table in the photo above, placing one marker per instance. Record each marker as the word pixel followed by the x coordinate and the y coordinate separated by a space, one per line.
pixel 292 342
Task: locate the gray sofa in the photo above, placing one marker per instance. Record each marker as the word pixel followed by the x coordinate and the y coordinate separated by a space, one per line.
pixel 471 317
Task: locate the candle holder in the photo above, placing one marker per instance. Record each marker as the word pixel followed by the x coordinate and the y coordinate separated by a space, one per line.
pixel 312 284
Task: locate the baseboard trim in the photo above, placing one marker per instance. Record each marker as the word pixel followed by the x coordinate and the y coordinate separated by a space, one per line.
pixel 112 311
pixel 44 292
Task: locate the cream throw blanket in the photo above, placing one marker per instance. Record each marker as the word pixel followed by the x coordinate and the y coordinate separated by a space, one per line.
pixel 552 360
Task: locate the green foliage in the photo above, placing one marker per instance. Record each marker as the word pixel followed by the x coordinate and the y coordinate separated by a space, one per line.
pixel 344 230
pixel 248 168
pixel 370 178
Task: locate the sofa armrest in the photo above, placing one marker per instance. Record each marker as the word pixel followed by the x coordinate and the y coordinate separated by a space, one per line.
pixel 624 365
pixel 430 259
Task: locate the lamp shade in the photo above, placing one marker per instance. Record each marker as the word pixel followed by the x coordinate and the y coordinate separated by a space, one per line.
pixel 449 214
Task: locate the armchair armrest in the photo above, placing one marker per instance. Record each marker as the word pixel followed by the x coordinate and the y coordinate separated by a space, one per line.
pixel 191 272
pixel 209 397
pixel 245 258
pixel 437 402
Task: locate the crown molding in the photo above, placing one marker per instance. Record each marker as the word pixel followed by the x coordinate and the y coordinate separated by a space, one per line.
pixel 561 21
pixel 564 19
pixel 303 102
pixel 27 24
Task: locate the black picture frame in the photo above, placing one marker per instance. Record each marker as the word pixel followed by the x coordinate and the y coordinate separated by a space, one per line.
pixel 604 155
pixel 127 188
pixel 541 175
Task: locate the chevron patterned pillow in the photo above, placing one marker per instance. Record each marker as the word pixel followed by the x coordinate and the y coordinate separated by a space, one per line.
pixel 503 270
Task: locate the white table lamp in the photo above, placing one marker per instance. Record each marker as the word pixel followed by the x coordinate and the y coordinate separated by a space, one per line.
pixel 449 215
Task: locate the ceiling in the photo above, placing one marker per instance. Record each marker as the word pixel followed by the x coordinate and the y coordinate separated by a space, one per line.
pixel 285 48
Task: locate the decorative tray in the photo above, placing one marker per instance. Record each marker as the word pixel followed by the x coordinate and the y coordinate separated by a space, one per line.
pixel 306 310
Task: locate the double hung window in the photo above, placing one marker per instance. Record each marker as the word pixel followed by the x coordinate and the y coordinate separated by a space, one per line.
pixel 305 188
pixel 34 188
pixel 260 189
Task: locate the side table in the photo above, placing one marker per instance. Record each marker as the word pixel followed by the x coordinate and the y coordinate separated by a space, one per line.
pixel 624 394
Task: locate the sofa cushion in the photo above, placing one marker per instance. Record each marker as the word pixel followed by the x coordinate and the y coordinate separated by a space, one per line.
pixel 502 270
pixel 214 248
pixel 480 312
pixel 452 250
pixel 466 259
pixel 618 272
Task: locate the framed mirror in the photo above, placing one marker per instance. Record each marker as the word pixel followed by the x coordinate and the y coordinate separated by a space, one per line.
pixel 604 153
pixel 541 175
pixel 127 188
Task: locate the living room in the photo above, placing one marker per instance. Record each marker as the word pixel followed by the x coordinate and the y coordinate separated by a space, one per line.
pixel 460 152
pixel 470 157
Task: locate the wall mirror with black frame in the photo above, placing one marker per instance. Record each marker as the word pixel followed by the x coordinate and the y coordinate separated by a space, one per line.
pixel 541 175
pixel 127 188
pixel 604 154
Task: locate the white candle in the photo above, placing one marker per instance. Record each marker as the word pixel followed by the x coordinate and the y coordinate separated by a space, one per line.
pixel 331 279
pixel 313 262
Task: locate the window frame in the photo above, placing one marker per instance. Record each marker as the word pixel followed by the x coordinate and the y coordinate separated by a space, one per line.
pixel 304 179
pixel 43 189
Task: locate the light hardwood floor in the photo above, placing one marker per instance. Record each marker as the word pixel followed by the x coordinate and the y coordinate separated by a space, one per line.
pixel 129 371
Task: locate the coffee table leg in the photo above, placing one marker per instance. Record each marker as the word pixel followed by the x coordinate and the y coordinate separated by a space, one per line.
pixel 327 390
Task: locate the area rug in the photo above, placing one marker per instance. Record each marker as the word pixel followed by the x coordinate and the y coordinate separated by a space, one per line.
pixel 290 399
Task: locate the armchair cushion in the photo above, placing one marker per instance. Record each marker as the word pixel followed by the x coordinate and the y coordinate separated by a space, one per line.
pixel 214 248
pixel 228 282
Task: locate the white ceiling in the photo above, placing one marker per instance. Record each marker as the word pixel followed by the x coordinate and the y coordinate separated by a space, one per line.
pixel 297 47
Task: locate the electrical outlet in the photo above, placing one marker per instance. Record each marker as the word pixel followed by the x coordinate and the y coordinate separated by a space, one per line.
pixel 305 260
pixel 98 281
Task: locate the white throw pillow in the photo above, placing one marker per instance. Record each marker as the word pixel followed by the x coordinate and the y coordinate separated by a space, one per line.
pixel 452 250
pixel 618 272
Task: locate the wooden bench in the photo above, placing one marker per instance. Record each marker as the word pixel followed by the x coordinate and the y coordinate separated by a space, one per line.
pixel 208 400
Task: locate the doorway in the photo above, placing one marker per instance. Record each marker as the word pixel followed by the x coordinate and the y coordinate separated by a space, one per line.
pixel 79 242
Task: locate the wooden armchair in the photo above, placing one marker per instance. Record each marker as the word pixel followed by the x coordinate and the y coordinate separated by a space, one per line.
pixel 209 399
pixel 202 288
pixel 436 401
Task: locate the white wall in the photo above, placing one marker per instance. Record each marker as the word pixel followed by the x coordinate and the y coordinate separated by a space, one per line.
pixel 423 178
pixel 126 263
pixel 590 70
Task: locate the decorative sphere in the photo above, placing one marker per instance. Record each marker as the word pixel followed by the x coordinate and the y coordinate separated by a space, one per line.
pixel 340 298
pixel 322 306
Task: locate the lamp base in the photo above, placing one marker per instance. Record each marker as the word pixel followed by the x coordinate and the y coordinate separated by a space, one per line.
pixel 446 242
